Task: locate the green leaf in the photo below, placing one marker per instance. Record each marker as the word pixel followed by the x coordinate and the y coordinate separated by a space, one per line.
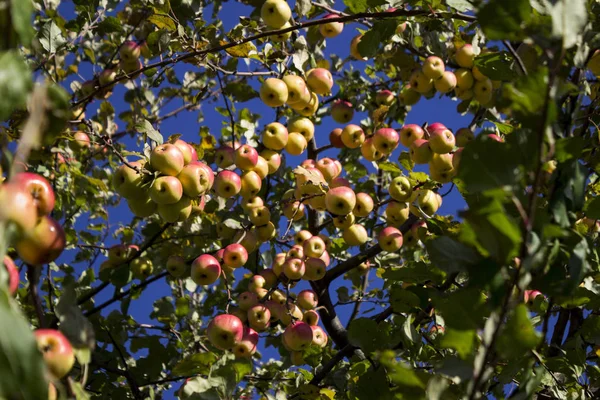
pixel 389 167
pixel 592 209
pixel 373 385
pixel 356 6
pixel 568 148
pixel 163 21
pixel 146 127
pixel 21 11
pixel 369 335
pixel 15 83
pixel 21 364
pixel 380 33
pixel 462 310
pixel 51 37
pixel 198 363
pixel 403 301
pixel 451 255
pixel 240 51
pixel 569 18
pixel 76 327
pixel 303 7
pixel 463 341
pixel 526 98
pixel 501 19
pixel 460 5
pixel 518 336
pixel 496 66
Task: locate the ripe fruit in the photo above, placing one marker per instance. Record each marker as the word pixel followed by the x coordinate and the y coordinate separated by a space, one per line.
pixel 251 184
pixel 176 266
pixel 18 206
pixel 307 299
pixel 247 300
pixel 353 136
pixel 482 90
pixel 400 189
pixel 274 92
pixel 331 29
pixel 195 179
pixel 335 138
pixel 441 162
pixel 386 140
pixel 441 141
pixel 168 159
pixel 396 213
pixel 275 136
pixel 39 188
pixel 464 79
pixel 205 270
pixel 259 215
pixel 319 80
pixel 390 239
pixel 530 295
pixel 465 56
pixel 227 184
pixel 294 269
pixel 189 153
pixel 225 331
pixel 259 317
pixel 296 144
pixel 313 247
pixel 464 136
pixel 364 205
pixel 297 90
pixel 354 48
pixel 342 111
pixel 275 13
pixel 420 83
pixel 298 335
pixel 303 126
pixel 344 221
pixel 420 151
pixel 384 97
pixel 273 160
pixel 355 235
pixel 141 268
pixel 143 207
pixel 433 67
pixel 13 275
pixel 129 52
pixel 247 346
pixel 446 83
pixel 166 190
pixel 43 243
pixel 80 141
pixel 369 152
pixel 127 181
pixel 328 168
pixel 57 351
pixel 409 133
pixel 319 336
pixel 235 255
pixel 224 156
pixel 246 157
pixel 408 96
pixel 311 317
pixel 428 202
pixel 121 252
pixel 340 200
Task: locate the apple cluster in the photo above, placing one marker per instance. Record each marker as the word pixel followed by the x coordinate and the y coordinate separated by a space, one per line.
pixel 466 82
pixel 27 200
pixel 172 183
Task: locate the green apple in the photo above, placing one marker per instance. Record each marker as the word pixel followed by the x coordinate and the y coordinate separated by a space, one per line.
pixel 465 56
pixel 177 212
pixel 274 92
pixel 275 13
pixel 141 268
pixel 355 235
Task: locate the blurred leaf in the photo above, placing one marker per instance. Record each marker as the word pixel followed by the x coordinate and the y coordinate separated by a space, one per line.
pixel 403 301
pixel 356 6
pixel 146 127
pixel 15 83
pixel 240 51
pixel 20 12
pixel 501 19
pixel 75 326
pixel 163 21
pixel 463 341
pixel 389 167
pixel 496 66
pixel 379 34
pixel 51 37
pixel 518 336
pixel 460 5
pixel 569 18
pixel 198 363
pixel 450 255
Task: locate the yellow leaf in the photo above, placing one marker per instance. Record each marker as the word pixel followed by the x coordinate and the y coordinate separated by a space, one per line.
pixel 327 394
pixel 311 176
pixel 163 21
pixel 242 50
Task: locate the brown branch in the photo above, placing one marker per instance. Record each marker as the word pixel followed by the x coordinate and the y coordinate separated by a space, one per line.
pixel 135 390
pixel 33 275
pixel 357 304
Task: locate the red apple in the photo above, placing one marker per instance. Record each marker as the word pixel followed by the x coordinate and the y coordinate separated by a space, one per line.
pixel 307 299
pixel 227 184
pixel 390 239
pixel 335 138
pixel 166 190
pixel 235 255
pixel 409 133
pixel 247 300
pixel 246 157
pixel 224 156
pixel 42 244
pixel 247 346
pixel 420 151
pixel 196 179
pixel 57 351
pixel 130 51
pixel 39 188
pixel 340 200
pixel 314 269
pixel 319 80
pixel 13 275
pixel 259 317
pixel 386 140
pixel 311 317
pixel 441 141
pixel 298 336
pixel 205 270
pixel 18 206
pixel 331 29
pixel 168 159
pixel 319 336
pixel 294 269
pixel 342 111
pixel 225 331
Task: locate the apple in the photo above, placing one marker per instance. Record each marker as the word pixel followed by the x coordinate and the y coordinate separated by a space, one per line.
pixel 275 13
pixel 130 51
pixel 463 94
pixel 400 189
pixel 436 126
pixel 311 317
pixel 252 202
pixel 227 184
pixel 13 275
pixel 396 213
pixel 294 268
pixel 442 176
pixel 296 144
pixel 297 358
pixel 18 206
pixel 355 235
pixel 331 29
pixel 235 255
pixel 328 168
pixel 307 299
pixel 319 336
pixel 456 156
pixel 205 270
pixel 127 181
pixel 364 267
pixel 275 136
pixel 353 136
pixel 390 239
pixel 80 142
pixel 224 156
pixel 141 268
pixel 266 232
pixel 464 136
pixel 384 98
pixel 386 140
pixel 302 125
pixel 296 251
pixel 446 83
pixel 433 67
pixel 369 152
pixel 256 282
pixel 342 111
pixel 354 48
pixel 495 137
pixel 251 184
pixel 464 79
pixel 441 141
pixel 120 253
pixel 225 331
pixel 530 295
pixel 420 82
pixel 298 335
pixel 195 179
pixel 409 96
pixel 274 92
pixel 482 91
pixel 167 159
pixel 409 133
pixel 294 210
pixel 56 350
pixel 270 278
pixel 247 346
pixel 340 200
pixel 259 215
pixel 314 247
pixel 420 151
pixel 247 238
pixel 39 188
pixel 176 266
pixel 259 317
pixel 335 138
pixel 282 37
pixel 132 69
pixel 273 160
pixel 166 190
pixel 43 243
pixel 246 157
pixel 338 182
pixel 320 80
pixel 419 230
pixel 428 202
pixel 189 153
pixel 364 205
pixel 297 89
pixel 142 207
pixel 247 300
pixel 441 162
pixel 465 56
pixel 344 221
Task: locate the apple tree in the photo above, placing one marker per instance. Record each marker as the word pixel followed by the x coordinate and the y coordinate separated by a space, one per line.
pixel 367 199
